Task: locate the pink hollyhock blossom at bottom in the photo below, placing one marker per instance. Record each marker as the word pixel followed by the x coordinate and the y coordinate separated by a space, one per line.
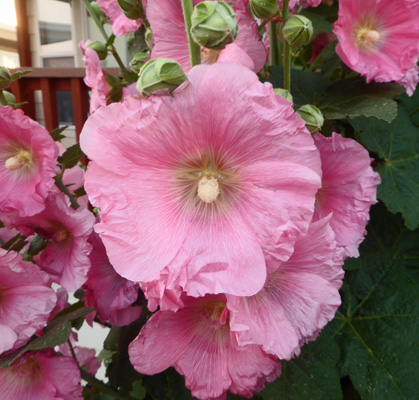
pixel 95 77
pixel 197 341
pixel 298 299
pixel 121 25
pixel 349 187
pixel 106 291
pixel 41 376
pixel 26 301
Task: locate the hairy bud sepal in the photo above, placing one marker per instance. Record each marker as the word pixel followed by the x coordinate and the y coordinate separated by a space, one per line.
pixel 5 78
pixel 100 48
pixel 131 8
pixel 264 9
pixel 214 25
pixel 297 31
pixel 312 116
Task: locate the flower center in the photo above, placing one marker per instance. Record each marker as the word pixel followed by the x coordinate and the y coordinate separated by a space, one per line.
pixel 208 189
pixel 20 160
pixel 61 234
pixel 366 36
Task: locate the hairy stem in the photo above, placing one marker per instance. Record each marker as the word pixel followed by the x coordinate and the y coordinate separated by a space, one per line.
pixel 287 50
pixel 274 55
pixel 194 49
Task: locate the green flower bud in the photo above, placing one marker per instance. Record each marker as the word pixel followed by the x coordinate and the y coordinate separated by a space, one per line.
pixel 214 25
pixel 98 12
pixel 5 78
pixel 264 9
pixel 131 8
pixel 284 93
pixel 312 116
pixel 160 74
pixel 297 30
pixel 138 61
pixel 99 48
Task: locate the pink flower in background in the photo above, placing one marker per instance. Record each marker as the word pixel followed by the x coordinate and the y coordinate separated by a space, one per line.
pixel 41 376
pixel 121 25
pixel 379 39
pixel 298 299
pixel 85 357
pixel 28 156
pixel 206 183
pixel 110 294
pixel 197 341
pixel 66 258
pixel 26 301
pixel 95 77
pixel 170 40
pixel 349 187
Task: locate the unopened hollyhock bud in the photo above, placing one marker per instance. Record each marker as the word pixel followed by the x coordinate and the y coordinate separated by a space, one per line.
pixel 312 116
pixel 298 30
pixel 264 9
pixel 138 61
pixel 214 25
pixel 99 48
pixel 131 8
pixel 5 78
pixel 98 12
pixel 284 93
pixel 160 74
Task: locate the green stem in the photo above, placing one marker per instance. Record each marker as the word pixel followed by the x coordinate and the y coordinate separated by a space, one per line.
pixel 287 50
pixel 124 71
pixel 3 100
pixel 194 49
pixel 143 16
pixel 60 185
pixel 274 44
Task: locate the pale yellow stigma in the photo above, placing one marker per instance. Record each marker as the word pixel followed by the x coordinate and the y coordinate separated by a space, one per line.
pixel 208 189
pixel 61 234
pixel 367 36
pixel 21 159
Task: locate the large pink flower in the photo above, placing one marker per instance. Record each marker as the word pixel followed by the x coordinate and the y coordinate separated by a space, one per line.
pixel 349 187
pixel 28 156
pixel 379 38
pixel 41 376
pixel 95 77
pixel 121 25
pixel 197 341
pixel 66 258
pixel 110 294
pixel 298 299
pixel 26 301
pixel 170 40
pixel 210 182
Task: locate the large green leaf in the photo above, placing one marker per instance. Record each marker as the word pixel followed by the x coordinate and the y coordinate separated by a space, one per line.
pixel 377 328
pixel 397 144
pixel 312 375
pixel 71 156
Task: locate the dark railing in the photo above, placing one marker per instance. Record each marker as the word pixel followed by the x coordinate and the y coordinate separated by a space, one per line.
pixel 49 81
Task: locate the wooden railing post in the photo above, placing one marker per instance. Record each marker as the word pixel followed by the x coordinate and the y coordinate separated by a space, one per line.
pixel 49 100
pixel 80 105
pixel 23 94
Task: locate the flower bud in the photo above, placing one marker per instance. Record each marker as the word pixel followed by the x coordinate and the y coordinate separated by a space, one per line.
pixel 297 30
pixel 10 98
pixel 312 116
pixel 160 74
pixel 98 12
pixel 5 78
pixel 131 8
pixel 214 25
pixel 99 48
pixel 264 9
pixel 284 93
pixel 138 61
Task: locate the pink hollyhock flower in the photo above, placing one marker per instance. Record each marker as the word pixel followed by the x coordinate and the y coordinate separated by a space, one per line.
pixel 121 25
pixel 211 181
pixel 349 187
pixel 41 376
pixel 170 40
pixel 379 38
pixel 197 341
pixel 28 156
pixel 85 357
pixel 110 294
pixel 410 80
pixel 66 258
pixel 95 77
pixel 298 299
pixel 26 301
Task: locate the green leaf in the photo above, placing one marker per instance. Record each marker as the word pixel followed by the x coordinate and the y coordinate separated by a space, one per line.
pixel 56 133
pixel 54 334
pixel 318 20
pixel 411 105
pixel 71 156
pixel 354 98
pixel 138 391
pixel 18 74
pixel 397 145
pixel 378 336
pixel 312 375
